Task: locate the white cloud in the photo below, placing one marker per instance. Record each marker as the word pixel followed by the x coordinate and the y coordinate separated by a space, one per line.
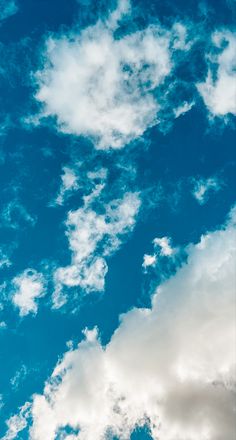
pixel 162 248
pixel 203 188
pixel 69 182
pixel 219 93
pixel 92 237
pixel 17 422
pixel 3 325
pixel 171 366
pixel 104 87
pixel 164 244
pixel 7 8
pixel 148 260
pixel 183 108
pixel 28 288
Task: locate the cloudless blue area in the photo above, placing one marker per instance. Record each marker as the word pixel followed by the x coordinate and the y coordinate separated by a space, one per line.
pixel 31 161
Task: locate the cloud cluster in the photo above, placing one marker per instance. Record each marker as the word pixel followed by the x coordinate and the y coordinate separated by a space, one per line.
pixel 103 86
pixel 92 237
pixel 219 89
pixel 28 287
pixel 162 248
pixel 171 366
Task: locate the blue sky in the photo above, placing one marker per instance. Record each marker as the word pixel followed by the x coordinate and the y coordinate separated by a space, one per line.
pixel 117 219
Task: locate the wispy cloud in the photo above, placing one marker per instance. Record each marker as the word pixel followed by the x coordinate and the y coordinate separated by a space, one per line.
pixel 204 187
pixel 7 8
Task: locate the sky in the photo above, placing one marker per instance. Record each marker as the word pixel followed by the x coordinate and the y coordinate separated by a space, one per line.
pixel 117 220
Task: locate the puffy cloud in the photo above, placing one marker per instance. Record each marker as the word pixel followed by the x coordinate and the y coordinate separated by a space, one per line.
pixel 219 89
pixel 164 244
pixel 203 188
pixel 171 366
pixel 105 87
pixel 28 288
pixel 7 8
pixel 148 260
pixel 92 237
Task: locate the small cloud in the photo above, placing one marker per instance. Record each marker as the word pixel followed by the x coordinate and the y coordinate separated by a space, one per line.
pixel 149 260
pixel 28 288
pixel 182 109
pixel 219 89
pixel 18 377
pixel 162 248
pixel 203 188
pixel 7 9
pixel 164 245
pixel 69 183
pixel 4 260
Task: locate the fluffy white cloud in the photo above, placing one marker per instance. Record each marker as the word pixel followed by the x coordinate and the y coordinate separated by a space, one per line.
pixel 28 288
pixel 148 260
pixel 104 87
pixel 171 366
pixel 203 188
pixel 92 237
pixel 219 89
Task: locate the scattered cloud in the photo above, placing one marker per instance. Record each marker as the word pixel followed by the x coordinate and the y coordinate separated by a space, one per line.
pixel 28 288
pixel 4 260
pixel 19 377
pixel 7 9
pixel 219 89
pixel 69 183
pixel 14 216
pixel 183 108
pixel 204 187
pixel 170 366
pixel 17 422
pixel 3 325
pixel 162 248
pixel 92 237
pixel 148 260
pixel 164 244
